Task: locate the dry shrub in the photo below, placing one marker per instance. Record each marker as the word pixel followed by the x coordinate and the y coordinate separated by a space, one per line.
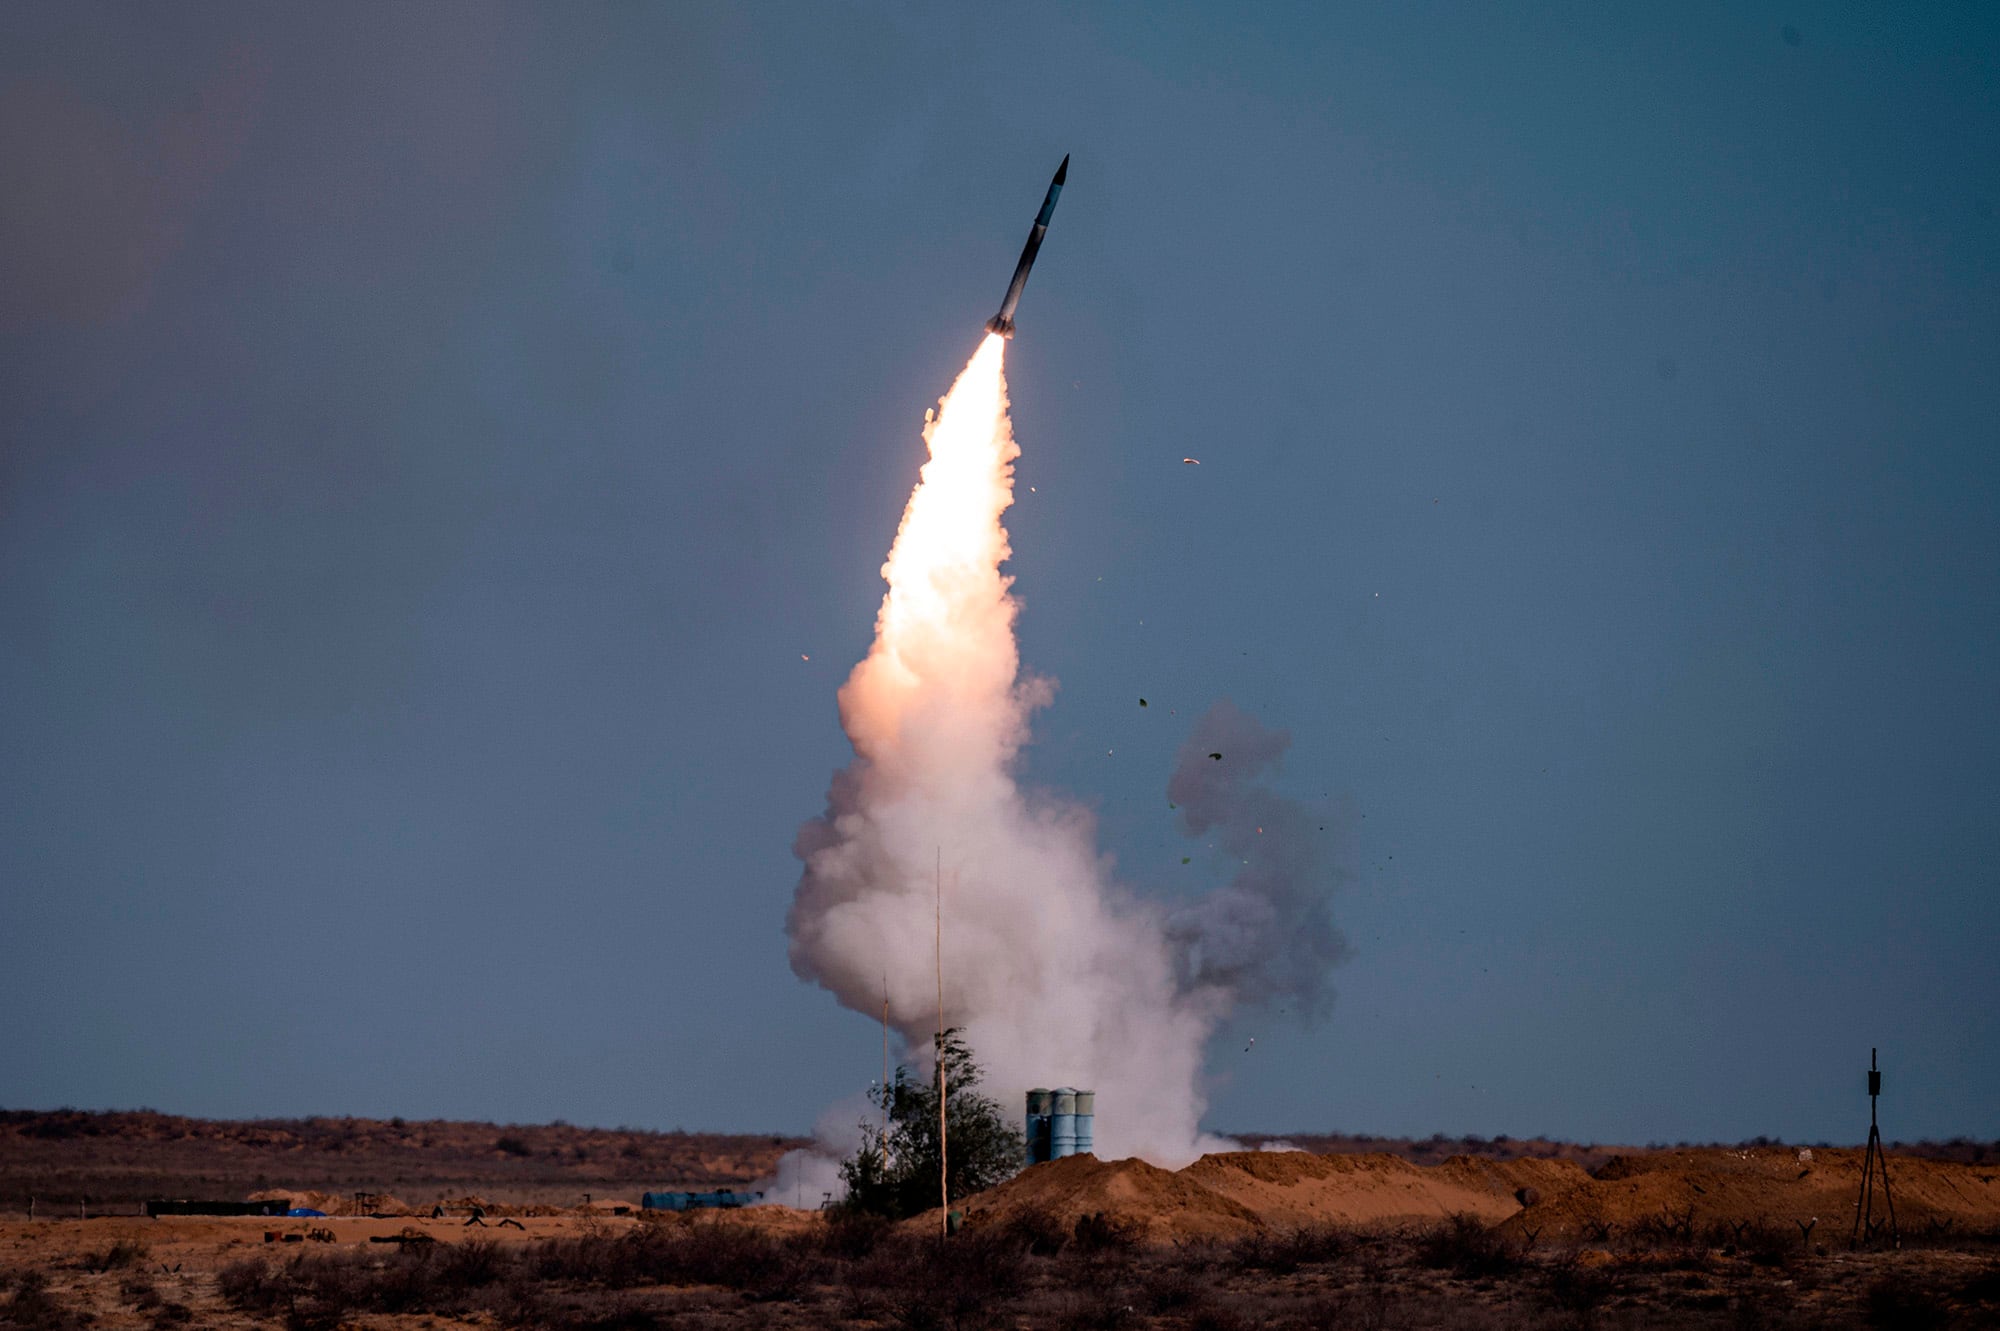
pixel 1982 1287
pixel 466 1266
pixel 559 1283
pixel 1220 1317
pixel 1369 1309
pixel 250 1286
pixel 1171 1288
pixel 961 1282
pixel 1898 1303
pixel 1101 1233
pixel 320 1289
pixel 140 1292
pixel 1091 1307
pixel 1465 1246
pixel 1285 1251
pixel 1571 1286
pixel 1037 1230
pixel 851 1235
pixel 1770 1245
pixel 722 1255
pixel 32 1307
pixel 985 1264
pixel 605 1312
pixel 119 1256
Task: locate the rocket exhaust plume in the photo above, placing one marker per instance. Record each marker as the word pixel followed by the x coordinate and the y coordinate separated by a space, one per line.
pixel 1058 975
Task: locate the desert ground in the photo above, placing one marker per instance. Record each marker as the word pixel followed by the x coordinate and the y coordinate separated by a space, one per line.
pixel 1714 1236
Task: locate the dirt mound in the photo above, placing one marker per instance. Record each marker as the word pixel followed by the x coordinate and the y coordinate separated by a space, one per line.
pixel 1292 1188
pixel 1161 1205
pixel 1694 1192
pixel 1698 1190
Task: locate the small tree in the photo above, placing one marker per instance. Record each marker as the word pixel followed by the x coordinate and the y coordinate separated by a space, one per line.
pixel 982 1146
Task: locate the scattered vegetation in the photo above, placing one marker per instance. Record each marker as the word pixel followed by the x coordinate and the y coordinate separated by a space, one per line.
pixel 1035 1271
pixel 117 1159
pixel 1465 1246
pixel 1283 1252
pixel 1898 1303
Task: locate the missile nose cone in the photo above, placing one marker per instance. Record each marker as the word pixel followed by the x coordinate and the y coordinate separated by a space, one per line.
pixel 1062 172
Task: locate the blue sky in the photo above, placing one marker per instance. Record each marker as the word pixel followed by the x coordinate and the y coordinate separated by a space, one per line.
pixel 430 437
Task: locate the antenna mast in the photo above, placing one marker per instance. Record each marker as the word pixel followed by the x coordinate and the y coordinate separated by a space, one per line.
pixel 1875 1161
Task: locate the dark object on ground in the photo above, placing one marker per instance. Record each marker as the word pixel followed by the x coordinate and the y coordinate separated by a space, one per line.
pixel 722 1199
pixel 183 1206
pixel 406 1238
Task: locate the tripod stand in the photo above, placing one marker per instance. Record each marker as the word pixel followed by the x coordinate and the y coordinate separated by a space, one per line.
pixel 1872 1163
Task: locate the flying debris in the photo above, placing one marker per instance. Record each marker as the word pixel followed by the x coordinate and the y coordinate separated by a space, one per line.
pixel 1003 322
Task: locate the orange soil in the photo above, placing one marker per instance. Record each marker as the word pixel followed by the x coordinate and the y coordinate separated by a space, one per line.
pixel 1236 1193
pixel 1162 1204
pixel 1770 1186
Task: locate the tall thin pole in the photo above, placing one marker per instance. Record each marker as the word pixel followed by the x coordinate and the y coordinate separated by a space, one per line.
pixel 885 1074
pixel 944 1176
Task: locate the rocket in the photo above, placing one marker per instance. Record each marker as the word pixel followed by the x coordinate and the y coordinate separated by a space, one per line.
pixel 1003 322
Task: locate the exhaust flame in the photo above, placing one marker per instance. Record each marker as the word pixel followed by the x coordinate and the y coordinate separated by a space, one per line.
pixel 1058 976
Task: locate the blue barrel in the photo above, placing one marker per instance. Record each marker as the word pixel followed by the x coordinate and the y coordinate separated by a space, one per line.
pixel 1062 1124
pixel 1086 1117
pixel 1039 1101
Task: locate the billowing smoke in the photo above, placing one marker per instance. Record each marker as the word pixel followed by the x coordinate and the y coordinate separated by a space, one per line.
pixel 1058 975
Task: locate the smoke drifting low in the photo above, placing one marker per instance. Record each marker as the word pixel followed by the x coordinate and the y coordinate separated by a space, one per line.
pixel 1059 975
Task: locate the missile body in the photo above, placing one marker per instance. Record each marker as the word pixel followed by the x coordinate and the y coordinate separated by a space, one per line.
pixel 1003 322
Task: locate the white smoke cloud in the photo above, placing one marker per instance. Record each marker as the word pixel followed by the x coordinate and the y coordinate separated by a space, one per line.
pixel 809 1177
pixel 1059 975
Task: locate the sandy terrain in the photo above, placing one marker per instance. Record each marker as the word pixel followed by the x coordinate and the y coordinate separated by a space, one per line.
pixel 1712 1236
pixel 1230 1195
pixel 1258 1232
pixel 116 1160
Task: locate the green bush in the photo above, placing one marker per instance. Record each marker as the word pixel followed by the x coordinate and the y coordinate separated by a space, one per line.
pixel 982 1146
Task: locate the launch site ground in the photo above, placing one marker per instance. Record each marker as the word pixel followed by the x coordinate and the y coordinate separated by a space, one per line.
pixel 1515 1233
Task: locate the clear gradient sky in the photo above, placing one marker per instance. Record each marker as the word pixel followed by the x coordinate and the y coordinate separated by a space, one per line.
pixel 431 435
